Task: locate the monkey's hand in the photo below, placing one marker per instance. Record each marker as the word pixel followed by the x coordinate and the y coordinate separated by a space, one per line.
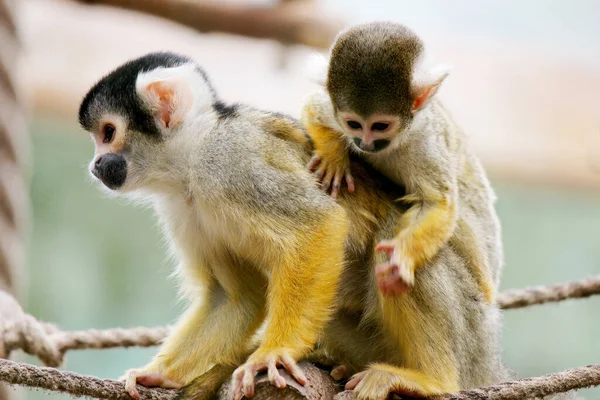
pixel 331 160
pixel 149 376
pixel 242 383
pixel 397 276
pixel 332 170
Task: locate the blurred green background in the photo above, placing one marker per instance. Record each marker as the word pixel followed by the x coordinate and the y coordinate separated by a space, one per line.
pixel 97 262
pixel 526 86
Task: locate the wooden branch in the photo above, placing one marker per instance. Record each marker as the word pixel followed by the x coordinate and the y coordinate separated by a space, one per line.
pixel 290 22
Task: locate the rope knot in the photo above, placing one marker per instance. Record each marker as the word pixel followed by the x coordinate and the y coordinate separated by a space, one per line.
pixel 20 331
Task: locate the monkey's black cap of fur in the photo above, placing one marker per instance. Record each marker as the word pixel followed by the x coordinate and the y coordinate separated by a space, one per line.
pixel 116 93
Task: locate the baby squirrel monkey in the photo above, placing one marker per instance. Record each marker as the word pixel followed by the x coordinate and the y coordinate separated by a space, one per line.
pixel 255 237
pixel 379 101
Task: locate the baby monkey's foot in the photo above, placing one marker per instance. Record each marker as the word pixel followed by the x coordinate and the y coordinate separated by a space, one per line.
pixel 331 174
pixel 368 386
pixel 339 370
pixel 396 276
pixel 242 383
pixel 379 380
pixel 147 378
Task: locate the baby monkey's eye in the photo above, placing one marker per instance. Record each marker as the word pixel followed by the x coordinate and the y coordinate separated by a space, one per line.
pixel 109 132
pixel 380 126
pixel 354 125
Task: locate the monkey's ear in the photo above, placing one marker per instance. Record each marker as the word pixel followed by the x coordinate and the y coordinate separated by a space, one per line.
pixel 316 68
pixel 168 97
pixel 426 84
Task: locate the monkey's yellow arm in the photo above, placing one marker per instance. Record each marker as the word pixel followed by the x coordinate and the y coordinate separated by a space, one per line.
pixel 431 221
pixel 331 159
pixel 429 170
pixel 422 231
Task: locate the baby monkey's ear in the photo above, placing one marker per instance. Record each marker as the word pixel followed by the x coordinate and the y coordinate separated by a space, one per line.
pixel 167 93
pixel 316 67
pixel 426 83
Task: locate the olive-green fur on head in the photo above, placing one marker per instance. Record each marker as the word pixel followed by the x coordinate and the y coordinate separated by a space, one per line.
pixel 371 68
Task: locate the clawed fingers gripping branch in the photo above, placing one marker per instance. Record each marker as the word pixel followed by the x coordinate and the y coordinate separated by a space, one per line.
pixel 243 384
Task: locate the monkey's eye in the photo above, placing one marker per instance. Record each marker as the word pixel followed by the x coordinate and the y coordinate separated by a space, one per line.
pixel 109 132
pixel 380 126
pixel 354 125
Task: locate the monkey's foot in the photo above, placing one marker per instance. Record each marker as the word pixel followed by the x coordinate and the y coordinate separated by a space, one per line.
pixel 332 174
pixel 396 276
pixel 377 382
pixel 339 370
pixel 207 385
pixel 147 378
pixel 242 383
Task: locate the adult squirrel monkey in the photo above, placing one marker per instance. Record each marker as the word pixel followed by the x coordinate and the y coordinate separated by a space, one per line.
pixel 240 210
pixel 378 100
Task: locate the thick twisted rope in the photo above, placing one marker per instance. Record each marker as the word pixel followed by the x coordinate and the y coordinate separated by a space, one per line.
pixel 13 139
pixel 50 344
pixel 530 388
pixel 546 294
pixel 13 189
pixel 73 384
pixel 79 385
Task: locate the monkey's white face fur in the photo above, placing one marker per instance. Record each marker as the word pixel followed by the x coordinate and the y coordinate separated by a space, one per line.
pixel 372 134
pixel 180 101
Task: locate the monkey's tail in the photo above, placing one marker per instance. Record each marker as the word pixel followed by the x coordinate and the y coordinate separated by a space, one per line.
pixel 207 385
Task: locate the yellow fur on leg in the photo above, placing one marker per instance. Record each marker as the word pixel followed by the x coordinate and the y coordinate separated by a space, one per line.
pixel 379 380
pixel 302 289
pixel 301 298
pixel 428 362
pixel 213 330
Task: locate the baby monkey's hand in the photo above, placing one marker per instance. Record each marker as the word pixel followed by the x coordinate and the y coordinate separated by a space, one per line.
pixel 397 276
pixel 332 170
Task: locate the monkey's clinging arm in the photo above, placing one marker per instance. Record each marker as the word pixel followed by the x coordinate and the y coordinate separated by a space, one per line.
pixel 423 230
pixel 331 161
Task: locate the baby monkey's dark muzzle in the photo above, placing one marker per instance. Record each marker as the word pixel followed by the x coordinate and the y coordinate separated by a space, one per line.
pixel 374 147
pixel 111 169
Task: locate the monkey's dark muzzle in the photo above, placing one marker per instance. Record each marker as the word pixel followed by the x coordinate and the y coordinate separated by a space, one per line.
pixel 373 147
pixel 111 169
